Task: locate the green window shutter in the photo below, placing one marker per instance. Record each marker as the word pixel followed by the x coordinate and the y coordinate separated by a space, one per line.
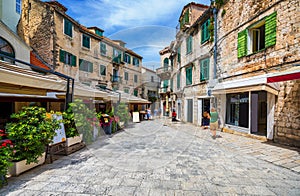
pixel 85 41
pixel 178 80
pixel 103 48
pixel 189 76
pixel 68 27
pixel 204 31
pixel 62 55
pixel 270 38
pixel 73 61
pixel 204 70
pixel 81 64
pixel 242 43
pixel 171 84
pixel 178 55
pixel 186 17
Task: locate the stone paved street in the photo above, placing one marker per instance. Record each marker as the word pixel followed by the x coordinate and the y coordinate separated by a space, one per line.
pixel 162 158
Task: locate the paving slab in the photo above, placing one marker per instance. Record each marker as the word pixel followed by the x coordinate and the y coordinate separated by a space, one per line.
pixel 159 157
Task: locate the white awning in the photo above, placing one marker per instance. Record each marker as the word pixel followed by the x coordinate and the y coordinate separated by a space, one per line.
pixel 256 83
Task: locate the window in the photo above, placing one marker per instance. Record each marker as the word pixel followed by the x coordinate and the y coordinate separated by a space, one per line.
pixel 205 31
pixel 103 48
pixel 166 64
pixel 98 32
pixel 189 75
pixel 165 85
pixel 126 76
pixel 178 54
pixel 136 61
pixel 19 6
pixel 258 36
pixel 185 19
pixel 178 80
pixel 85 41
pixel 204 69
pixel 102 70
pixel 67 58
pixel 117 54
pixel 152 78
pixel 171 84
pixel 135 92
pixel 135 78
pixel 126 90
pixel 85 66
pixel 189 43
pixel 68 28
pixel 6 49
pixel 237 109
pixel 127 58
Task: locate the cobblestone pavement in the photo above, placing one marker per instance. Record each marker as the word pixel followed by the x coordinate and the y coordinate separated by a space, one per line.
pixel 159 157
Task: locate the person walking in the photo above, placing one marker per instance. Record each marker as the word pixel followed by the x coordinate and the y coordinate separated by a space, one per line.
pixel 213 122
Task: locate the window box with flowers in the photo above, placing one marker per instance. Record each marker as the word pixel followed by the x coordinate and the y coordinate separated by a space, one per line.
pixel 31 130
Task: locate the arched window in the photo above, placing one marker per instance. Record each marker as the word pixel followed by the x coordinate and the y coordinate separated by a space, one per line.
pixel 6 49
pixel 166 63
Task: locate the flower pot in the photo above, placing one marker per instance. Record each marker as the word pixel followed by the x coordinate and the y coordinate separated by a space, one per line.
pixel 19 167
pixel 74 140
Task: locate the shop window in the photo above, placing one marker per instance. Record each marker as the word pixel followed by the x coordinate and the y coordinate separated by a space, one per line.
pixel 237 110
pixel 7 50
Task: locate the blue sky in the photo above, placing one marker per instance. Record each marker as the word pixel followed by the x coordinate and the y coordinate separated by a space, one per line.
pixel 147 26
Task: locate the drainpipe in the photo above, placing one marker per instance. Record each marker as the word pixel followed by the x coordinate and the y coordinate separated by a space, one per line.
pixel 215 11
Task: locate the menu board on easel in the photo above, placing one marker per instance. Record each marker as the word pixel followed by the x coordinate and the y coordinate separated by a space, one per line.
pixel 60 133
pixel 135 117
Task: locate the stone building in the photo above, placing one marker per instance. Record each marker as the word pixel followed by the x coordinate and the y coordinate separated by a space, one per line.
pixel 83 53
pixel 186 65
pixel 258 68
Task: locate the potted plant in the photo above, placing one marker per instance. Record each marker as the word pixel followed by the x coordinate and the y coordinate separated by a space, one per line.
pixel 5 157
pixel 73 136
pixel 31 130
pixel 123 114
pixel 85 121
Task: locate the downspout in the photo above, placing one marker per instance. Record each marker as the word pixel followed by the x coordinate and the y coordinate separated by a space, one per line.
pixel 215 11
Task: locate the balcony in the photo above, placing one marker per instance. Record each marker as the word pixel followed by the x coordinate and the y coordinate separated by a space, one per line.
pixel 117 60
pixel 164 72
pixel 115 79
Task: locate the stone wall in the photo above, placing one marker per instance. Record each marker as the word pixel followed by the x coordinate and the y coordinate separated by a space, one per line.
pixel 36 28
pixel 239 16
pixel 287 114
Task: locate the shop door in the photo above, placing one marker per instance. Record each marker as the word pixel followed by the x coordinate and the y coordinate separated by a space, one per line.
pixel 190 110
pixel 200 112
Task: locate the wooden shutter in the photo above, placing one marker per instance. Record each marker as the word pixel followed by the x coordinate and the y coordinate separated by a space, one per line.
pixel 270 38
pixel 189 76
pixel 186 17
pixel 80 64
pixel 73 61
pixel 178 54
pixel 242 43
pixel 204 70
pixel 178 80
pixel 62 56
